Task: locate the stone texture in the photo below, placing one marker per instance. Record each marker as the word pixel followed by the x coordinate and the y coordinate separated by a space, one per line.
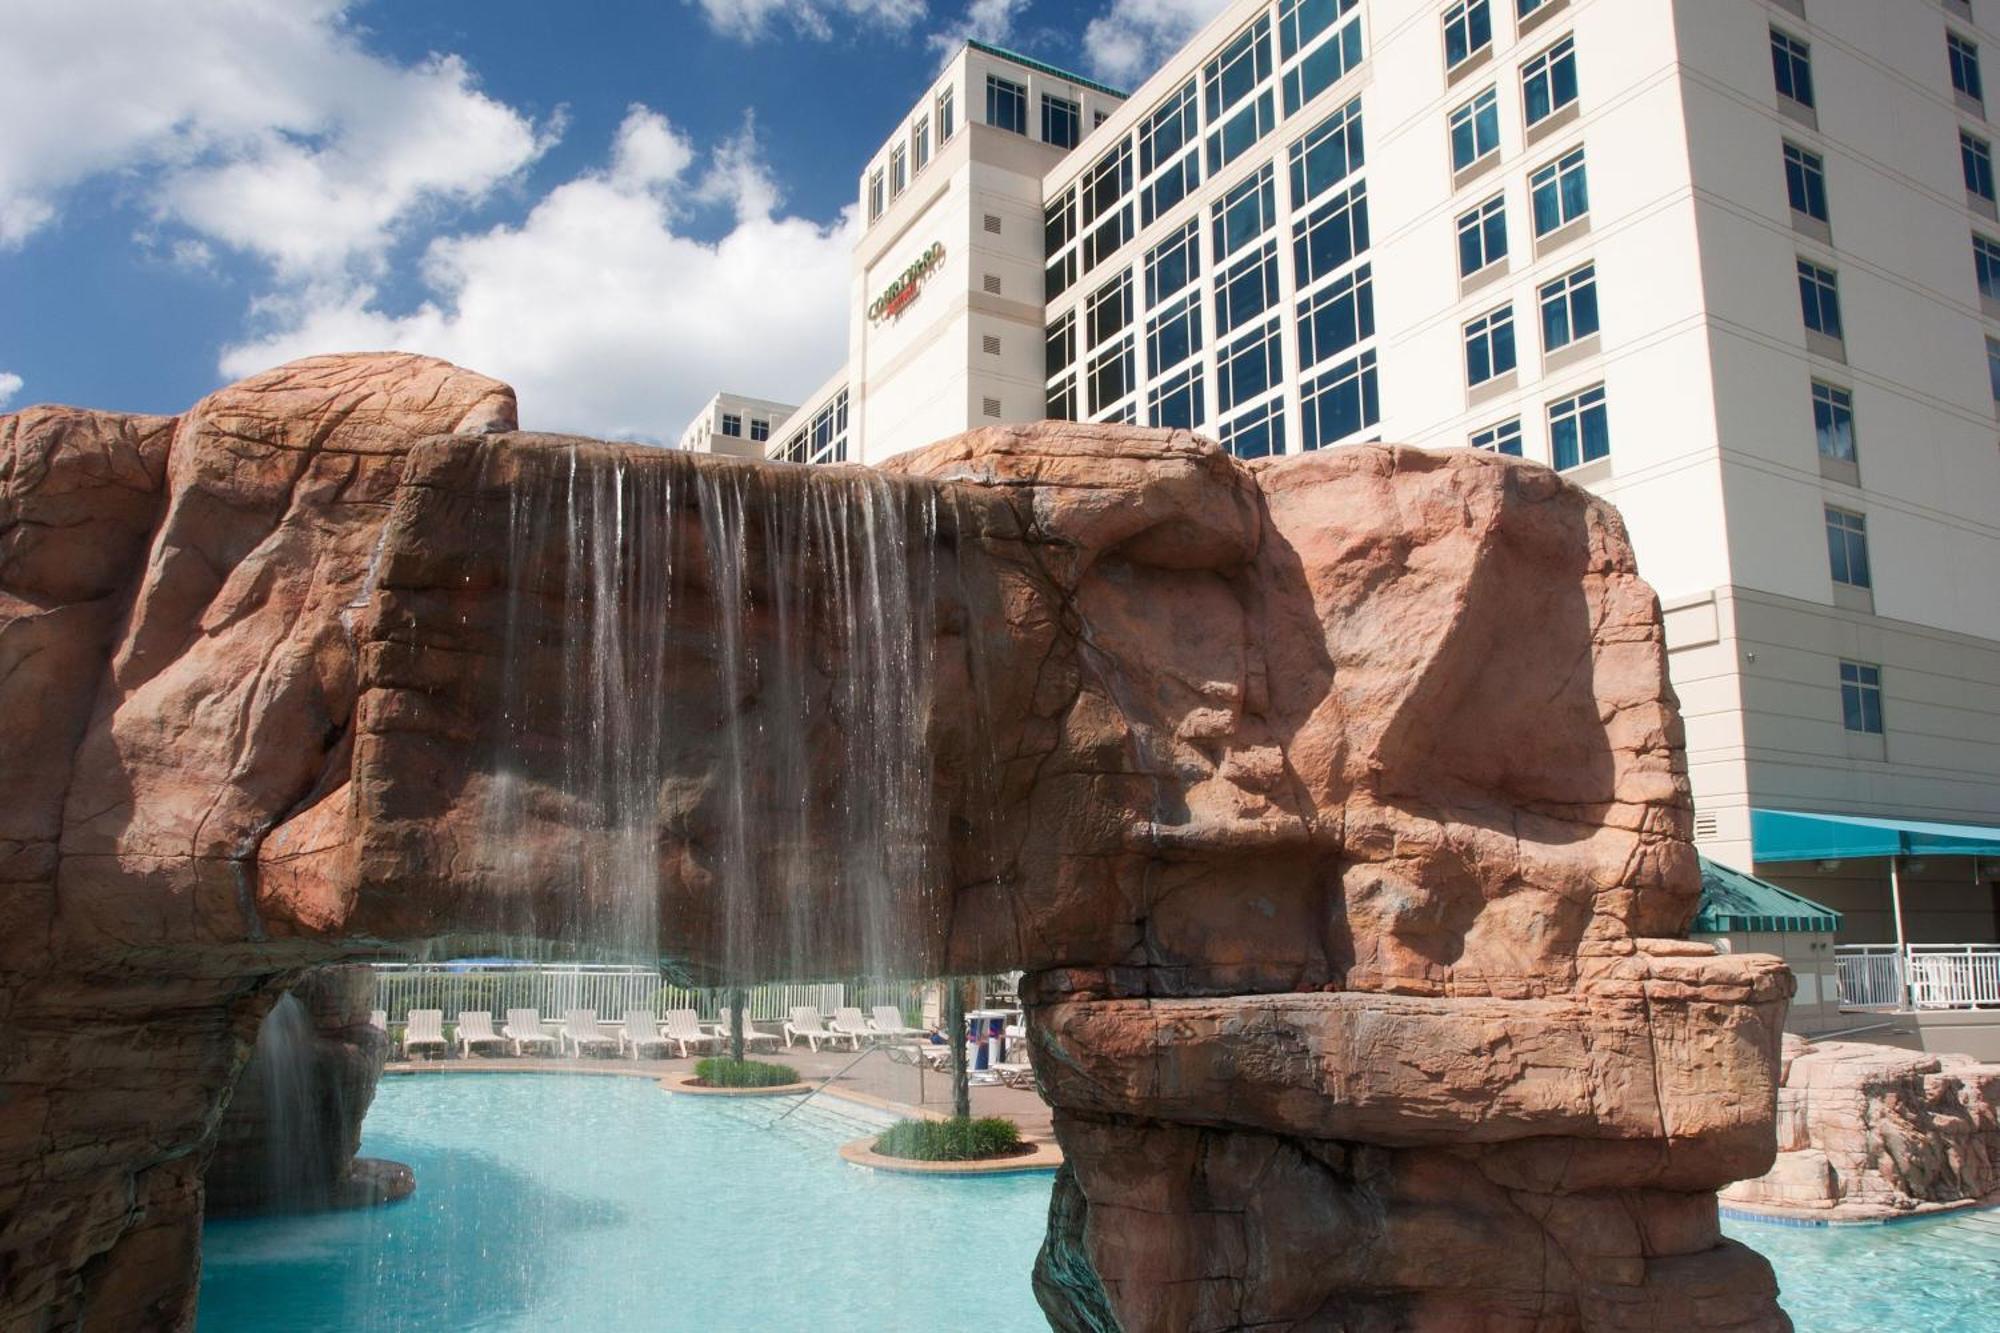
pixel 1336 805
pixel 1867 1132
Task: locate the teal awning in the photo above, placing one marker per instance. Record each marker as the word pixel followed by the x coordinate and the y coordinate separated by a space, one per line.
pixel 1790 835
pixel 1734 901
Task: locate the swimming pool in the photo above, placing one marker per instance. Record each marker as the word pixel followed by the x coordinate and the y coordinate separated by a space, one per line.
pixel 551 1202
pixel 1939 1275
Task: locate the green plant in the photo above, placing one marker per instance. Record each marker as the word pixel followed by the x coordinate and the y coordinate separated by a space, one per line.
pixel 959 1139
pixel 719 1071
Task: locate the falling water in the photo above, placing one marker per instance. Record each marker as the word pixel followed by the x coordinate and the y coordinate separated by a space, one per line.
pixel 293 1152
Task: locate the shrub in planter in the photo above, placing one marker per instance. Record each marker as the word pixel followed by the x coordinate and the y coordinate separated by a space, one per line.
pixel 956 1140
pixel 719 1071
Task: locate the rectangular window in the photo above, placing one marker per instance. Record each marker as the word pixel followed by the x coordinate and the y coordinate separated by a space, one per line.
pixel 1482 236
pixel 1548 82
pixel 1107 237
pixel 732 424
pixel 1245 213
pixel 1819 299
pixel 1986 263
pixel 1258 433
pixel 1162 138
pixel 1331 235
pixel 1560 193
pixel 1060 277
pixel 1833 421
pixel 1791 67
pixel 1173 335
pixel 1110 376
pixel 1248 367
pixel 1062 121
pixel 1108 180
pixel 1976 156
pixel 1339 402
pixel 1327 155
pixel 1060 403
pixel 1475 130
pixel 1006 105
pixel 1109 311
pixel 1173 263
pixel 1504 438
pixel 1323 67
pixel 1579 432
pixel 1237 69
pixel 1489 345
pixel 1805 182
pixel 1175 403
pixel 1993 367
pixel 1965 66
pixel 1240 133
pixel 1060 346
pixel 760 430
pixel 1847 547
pixel 1246 289
pixel 1301 21
pixel 1337 318
pixel 1569 308
pixel 1468 30
pixel 899 171
pixel 946 112
pixel 1523 8
pixel 1861 698
pixel 1059 222
pixel 1169 187
pixel 875 197
pixel 920 142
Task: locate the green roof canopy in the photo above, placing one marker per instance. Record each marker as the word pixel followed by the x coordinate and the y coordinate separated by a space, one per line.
pixel 1790 835
pixel 1734 901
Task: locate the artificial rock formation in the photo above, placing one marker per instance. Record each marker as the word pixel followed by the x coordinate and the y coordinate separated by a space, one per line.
pixel 1867 1132
pixel 1334 804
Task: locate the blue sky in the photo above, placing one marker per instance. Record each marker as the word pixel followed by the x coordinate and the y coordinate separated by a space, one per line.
pixel 619 208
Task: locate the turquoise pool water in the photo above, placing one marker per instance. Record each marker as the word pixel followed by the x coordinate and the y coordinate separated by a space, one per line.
pixel 1936 1276
pixel 549 1202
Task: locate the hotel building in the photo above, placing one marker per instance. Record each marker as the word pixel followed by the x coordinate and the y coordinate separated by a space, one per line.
pixel 1732 264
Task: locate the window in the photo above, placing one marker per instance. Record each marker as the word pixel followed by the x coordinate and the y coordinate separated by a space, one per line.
pixel 1489 345
pixel 1468 30
pixel 1482 236
pixel 1833 421
pixel 1819 298
pixel 1109 310
pixel 1327 155
pixel 1847 547
pixel 1560 193
pixel 732 424
pixel 1578 430
pixel 1986 263
pixel 1098 117
pixel 1173 263
pixel 1241 132
pixel 1805 182
pixel 1061 276
pixel 1062 121
pixel 1059 222
pixel 1174 335
pixel 1060 402
pixel 1331 235
pixel 1302 21
pixel 920 143
pixel 1006 104
pixel 1106 237
pixel 1110 376
pixel 1107 181
pixel 760 430
pixel 1504 438
pixel 1237 69
pixel 1257 433
pixel 1176 402
pixel 1861 698
pixel 945 112
pixel 1325 64
pixel 1246 289
pixel 1976 156
pixel 1162 137
pixel 899 170
pixel 1791 66
pixel 1337 318
pixel 874 195
pixel 1523 8
pixel 1993 367
pixel 1340 402
pixel 1245 213
pixel 1475 130
pixel 1548 82
pixel 1248 367
pixel 1061 344
pixel 1964 66
pixel 1569 308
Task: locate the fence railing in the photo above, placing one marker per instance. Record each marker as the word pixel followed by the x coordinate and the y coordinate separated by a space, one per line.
pixel 554 988
pixel 1919 976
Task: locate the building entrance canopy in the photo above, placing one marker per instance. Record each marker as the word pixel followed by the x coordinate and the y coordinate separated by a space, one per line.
pixel 1791 835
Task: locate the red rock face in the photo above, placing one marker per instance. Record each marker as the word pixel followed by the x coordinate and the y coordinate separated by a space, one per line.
pixel 1335 804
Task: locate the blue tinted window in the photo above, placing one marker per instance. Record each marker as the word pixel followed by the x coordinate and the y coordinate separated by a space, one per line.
pixel 1579 432
pixel 1475 130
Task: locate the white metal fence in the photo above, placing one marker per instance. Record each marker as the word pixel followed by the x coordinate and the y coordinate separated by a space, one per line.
pixel 555 988
pixel 1921 976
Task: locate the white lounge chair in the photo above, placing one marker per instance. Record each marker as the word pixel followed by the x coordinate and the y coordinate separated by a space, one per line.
pixel 680 1027
pixel 475 1028
pixel 807 1023
pixel 888 1024
pixel 1015 1074
pixel 751 1036
pixel 524 1028
pixel 582 1032
pixel 378 1019
pixel 642 1029
pixel 849 1023
pixel 424 1029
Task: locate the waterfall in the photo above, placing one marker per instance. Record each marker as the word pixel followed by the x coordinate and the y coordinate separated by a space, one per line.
pixel 294 1149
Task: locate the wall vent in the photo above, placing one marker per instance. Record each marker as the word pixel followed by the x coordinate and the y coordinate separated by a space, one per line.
pixel 1705 827
pixel 993 284
pixel 992 345
pixel 991 406
pixel 993 223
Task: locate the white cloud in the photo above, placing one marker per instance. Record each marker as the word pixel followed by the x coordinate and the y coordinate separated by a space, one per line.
pixel 985 20
pixel 1130 40
pixel 264 127
pixel 600 309
pixel 749 20
pixel 9 386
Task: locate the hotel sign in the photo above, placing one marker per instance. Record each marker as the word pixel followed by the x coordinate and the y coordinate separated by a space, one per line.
pixel 898 294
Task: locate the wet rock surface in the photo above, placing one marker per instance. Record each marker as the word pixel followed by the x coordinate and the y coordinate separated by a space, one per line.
pixel 1336 805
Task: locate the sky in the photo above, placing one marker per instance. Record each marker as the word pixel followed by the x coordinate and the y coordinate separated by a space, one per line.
pixel 619 208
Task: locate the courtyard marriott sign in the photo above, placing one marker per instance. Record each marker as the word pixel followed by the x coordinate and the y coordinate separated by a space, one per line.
pixel 904 289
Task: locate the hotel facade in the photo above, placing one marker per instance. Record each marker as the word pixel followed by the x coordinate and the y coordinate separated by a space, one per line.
pixel 1733 265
